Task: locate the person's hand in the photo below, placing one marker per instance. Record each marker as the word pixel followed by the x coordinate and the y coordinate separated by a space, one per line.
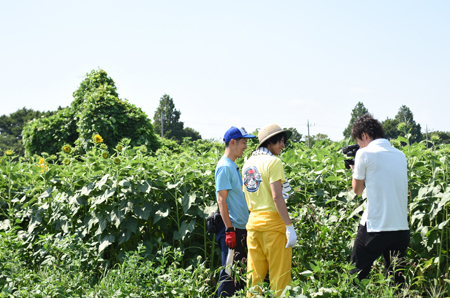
pixel 230 239
pixel 291 236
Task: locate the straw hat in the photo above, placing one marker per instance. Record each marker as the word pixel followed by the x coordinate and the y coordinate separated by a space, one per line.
pixel 269 131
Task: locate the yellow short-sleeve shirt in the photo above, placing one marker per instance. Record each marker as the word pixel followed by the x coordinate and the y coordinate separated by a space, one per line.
pixel 258 173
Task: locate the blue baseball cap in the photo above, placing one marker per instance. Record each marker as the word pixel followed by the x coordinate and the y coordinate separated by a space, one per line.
pixel 235 133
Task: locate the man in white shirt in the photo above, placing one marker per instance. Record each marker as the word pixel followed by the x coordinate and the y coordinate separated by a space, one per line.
pixel 383 230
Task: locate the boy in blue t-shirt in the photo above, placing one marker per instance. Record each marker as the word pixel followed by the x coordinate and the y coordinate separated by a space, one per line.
pixel 232 206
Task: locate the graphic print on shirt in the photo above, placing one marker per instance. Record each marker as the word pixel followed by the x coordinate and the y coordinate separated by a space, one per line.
pixel 252 179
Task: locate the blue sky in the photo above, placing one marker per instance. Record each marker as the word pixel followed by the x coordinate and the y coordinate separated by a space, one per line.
pixel 242 63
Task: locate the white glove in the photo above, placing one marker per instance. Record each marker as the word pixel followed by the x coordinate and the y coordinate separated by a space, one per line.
pixel 285 195
pixel 291 236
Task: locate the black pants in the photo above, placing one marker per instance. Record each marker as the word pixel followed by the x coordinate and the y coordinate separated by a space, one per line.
pixel 370 246
pixel 228 285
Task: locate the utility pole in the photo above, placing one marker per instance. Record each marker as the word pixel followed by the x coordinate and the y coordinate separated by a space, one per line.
pixel 309 125
pixel 162 124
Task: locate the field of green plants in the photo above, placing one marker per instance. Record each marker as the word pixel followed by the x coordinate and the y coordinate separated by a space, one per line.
pixel 131 223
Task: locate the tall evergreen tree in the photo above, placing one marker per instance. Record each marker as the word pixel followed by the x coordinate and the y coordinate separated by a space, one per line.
pixel 172 127
pixel 357 112
pixel 405 115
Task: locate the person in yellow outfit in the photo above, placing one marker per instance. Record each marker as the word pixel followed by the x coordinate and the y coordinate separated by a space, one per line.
pixel 270 233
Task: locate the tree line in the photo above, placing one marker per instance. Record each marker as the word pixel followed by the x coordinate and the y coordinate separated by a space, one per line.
pixel 97 109
pixel 390 126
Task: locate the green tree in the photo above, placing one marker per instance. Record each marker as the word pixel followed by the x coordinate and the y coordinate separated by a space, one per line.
pixel 172 127
pixel 357 112
pixel 192 133
pixel 391 131
pixel 96 109
pixel 405 115
pixel 11 127
pixel 320 139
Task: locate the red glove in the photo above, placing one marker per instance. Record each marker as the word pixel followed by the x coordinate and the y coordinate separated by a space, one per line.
pixel 230 240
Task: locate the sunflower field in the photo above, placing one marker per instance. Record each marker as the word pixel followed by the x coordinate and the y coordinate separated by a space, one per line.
pixel 127 222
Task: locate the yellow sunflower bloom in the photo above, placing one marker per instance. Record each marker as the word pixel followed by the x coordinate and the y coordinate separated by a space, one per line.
pixel 41 161
pixel 44 168
pixel 98 139
pixel 67 148
pixel 105 155
pixel 9 152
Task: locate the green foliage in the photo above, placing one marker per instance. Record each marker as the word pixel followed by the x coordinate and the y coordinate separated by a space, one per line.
pixel 357 112
pixel 390 128
pixel 11 128
pixel 172 127
pixel 319 140
pixel 96 109
pixel 443 137
pixel 405 115
pixel 192 133
pixel 93 227
pixel 49 134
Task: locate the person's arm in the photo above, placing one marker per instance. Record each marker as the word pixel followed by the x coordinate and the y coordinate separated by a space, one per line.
pixel 357 185
pixel 230 238
pixel 223 207
pixel 280 204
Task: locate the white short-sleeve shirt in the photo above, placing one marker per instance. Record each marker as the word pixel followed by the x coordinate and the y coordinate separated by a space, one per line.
pixel 384 169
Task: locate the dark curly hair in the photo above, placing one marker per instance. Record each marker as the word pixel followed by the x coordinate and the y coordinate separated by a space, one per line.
pixel 371 126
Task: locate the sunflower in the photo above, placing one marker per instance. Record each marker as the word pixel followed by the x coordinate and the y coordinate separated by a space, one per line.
pixel 105 155
pixel 43 165
pixel 119 148
pixel 66 161
pixel 116 160
pixel 67 148
pixel 401 126
pixel 98 139
pixel 9 152
pixel 44 168
pixel 143 149
pixel 104 146
pixel 435 138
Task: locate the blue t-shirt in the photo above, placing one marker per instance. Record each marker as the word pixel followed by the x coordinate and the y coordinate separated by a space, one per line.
pixel 229 178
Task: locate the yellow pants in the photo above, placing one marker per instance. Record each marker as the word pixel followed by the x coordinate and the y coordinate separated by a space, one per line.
pixel 266 242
